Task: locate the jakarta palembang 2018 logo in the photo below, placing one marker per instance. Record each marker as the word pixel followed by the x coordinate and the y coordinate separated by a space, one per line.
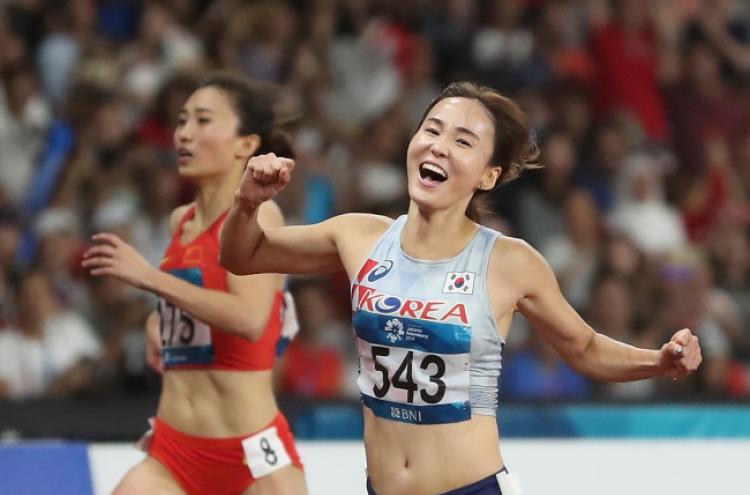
pixel 395 330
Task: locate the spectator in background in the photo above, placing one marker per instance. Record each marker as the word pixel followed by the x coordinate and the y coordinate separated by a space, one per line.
pixel 641 212
pixel 162 47
pixel 714 111
pixel 49 351
pixel 541 202
pixel 560 37
pixel 730 253
pixel 574 255
pixel 60 247
pixel 379 181
pixel 503 50
pixel 10 240
pixel 632 44
pixel 684 297
pixel 318 363
pixel 24 120
pixel 450 29
pixel 723 24
pixel 68 24
pixel 538 372
pixel 612 309
pixel 259 39
pixel 610 145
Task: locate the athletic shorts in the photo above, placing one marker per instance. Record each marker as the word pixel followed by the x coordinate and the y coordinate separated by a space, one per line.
pixel 486 486
pixel 223 466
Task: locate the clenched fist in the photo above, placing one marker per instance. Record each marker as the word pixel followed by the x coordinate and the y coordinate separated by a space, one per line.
pixel 681 355
pixel 265 176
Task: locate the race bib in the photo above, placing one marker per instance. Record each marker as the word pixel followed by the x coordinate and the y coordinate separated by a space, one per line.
pixel 185 340
pixel 412 370
pixel 265 453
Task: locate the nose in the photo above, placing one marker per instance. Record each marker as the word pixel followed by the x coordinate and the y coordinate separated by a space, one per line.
pixel 183 133
pixel 439 147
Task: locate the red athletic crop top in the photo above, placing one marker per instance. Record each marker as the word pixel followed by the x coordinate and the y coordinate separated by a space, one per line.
pixel 191 344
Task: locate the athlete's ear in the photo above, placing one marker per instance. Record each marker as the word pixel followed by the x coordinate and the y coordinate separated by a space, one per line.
pixel 249 146
pixel 490 178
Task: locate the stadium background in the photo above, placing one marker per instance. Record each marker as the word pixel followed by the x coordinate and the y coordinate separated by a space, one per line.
pixel 641 110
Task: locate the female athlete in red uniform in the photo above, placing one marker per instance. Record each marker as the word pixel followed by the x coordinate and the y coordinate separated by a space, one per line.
pixel 218 429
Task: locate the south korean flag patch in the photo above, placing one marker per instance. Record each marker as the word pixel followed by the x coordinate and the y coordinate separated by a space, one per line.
pixel 459 283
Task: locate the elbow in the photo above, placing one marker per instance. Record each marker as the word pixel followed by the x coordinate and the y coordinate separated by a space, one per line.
pixel 251 331
pixel 232 264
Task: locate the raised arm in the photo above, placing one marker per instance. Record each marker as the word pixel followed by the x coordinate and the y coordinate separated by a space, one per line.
pixel 247 248
pixel 588 352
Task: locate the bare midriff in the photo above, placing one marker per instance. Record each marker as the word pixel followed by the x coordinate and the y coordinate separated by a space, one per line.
pixel 217 403
pixel 413 459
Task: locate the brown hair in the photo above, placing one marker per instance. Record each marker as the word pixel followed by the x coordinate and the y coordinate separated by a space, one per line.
pixel 252 101
pixel 515 148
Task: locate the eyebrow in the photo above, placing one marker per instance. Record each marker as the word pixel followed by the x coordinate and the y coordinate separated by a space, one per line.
pixel 197 110
pixel 459 128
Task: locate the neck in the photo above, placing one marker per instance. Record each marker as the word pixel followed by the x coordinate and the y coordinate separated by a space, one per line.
pixel 436 235
pixel 214 197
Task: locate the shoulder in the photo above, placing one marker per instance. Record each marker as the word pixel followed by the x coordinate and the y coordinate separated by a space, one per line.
pixel 177 215
pixel 359 226
pixel 364 221
pixel 512 249
pixel 515 260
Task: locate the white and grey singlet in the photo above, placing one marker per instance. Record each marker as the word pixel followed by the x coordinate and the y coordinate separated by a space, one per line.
pixel 429 346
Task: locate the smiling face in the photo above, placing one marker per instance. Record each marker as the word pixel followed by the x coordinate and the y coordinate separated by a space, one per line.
pixel 206 138
pixel 449 156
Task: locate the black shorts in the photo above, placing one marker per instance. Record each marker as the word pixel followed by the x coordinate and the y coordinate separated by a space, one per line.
pixel 486 486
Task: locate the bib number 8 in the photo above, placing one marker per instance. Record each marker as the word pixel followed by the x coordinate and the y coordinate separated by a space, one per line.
pixel 403 377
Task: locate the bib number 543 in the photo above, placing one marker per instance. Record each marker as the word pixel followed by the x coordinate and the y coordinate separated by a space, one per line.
pixel 403 377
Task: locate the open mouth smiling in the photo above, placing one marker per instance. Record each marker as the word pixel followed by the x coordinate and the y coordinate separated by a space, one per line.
pixel 431 173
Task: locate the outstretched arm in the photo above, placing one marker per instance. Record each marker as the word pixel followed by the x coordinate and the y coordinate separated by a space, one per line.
pixel 588 352
pixel 247 248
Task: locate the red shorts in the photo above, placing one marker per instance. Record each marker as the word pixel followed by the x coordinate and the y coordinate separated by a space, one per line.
pixel 223 466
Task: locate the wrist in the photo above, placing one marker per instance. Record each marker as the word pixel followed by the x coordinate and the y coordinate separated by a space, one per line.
pixel 647 363
pixel 149 281
pixel 246 207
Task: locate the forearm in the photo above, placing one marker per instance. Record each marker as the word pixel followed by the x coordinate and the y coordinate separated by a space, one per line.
pixel 612 361
pixel 240 237
pixel 215 308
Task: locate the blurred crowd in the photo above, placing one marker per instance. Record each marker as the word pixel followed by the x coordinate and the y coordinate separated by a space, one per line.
pixel 641 109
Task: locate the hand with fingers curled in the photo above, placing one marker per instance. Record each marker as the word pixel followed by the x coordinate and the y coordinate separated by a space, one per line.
pixel 115 257
pixel 680 356
pixel 264 177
